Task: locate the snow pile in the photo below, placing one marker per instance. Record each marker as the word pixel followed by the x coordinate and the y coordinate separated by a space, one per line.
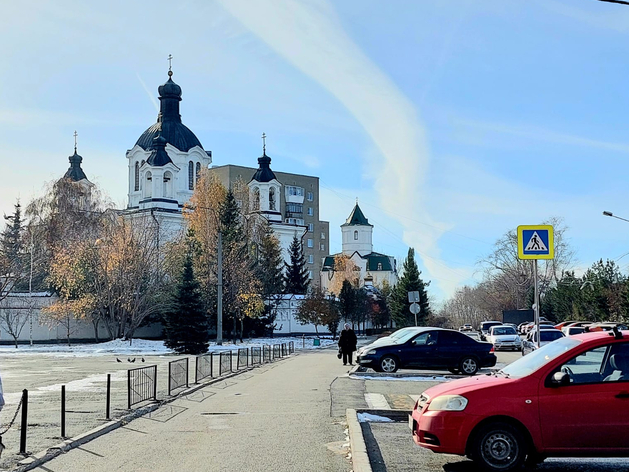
pixel 434 378
pixel 369 418
pixel 149 347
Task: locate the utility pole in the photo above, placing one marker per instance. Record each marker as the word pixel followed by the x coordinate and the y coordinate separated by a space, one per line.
pixel 219 322
pixel 30 294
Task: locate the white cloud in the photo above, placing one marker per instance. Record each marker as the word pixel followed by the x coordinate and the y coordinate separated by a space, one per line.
pixel 309 36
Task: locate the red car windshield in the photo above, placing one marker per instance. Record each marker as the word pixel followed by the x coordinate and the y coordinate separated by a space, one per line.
pixel 540 357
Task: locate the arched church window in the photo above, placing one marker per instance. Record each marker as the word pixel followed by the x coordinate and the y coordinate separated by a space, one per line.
pixel 148 185
pixel 198 172
pixel 256 198
pixel 355 235
pixel 190 175
pixel 272 199
pixel 136 178
pixel 168 185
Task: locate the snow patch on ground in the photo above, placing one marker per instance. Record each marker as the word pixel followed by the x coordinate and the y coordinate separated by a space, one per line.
pixel 434 378
pixel 149 347
pixel 369 418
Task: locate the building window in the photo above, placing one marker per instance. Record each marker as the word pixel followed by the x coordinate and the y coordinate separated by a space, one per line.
pixel 310 259
pixel 310 243
pixel 190 175
pixel 168 185
pixel 136 181
pixel 296 208
pixel 310 196
pixel 148 187
pixel 379 265
pixel 310 211
pixel 272 199
pixel 256 198
pixel 355 235
pixel 310 274
pixel 322 247
pixel 294 191
pixel 198 172
pixel 322 235
pixel 310 227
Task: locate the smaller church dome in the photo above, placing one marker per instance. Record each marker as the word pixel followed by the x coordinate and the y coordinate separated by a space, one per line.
pixel 170 89
pixel 75 173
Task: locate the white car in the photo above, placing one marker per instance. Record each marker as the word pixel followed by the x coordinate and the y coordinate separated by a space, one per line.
pixel 546 336
pixel 504 337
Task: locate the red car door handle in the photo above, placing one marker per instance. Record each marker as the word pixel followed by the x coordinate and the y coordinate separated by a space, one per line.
pixel 623 395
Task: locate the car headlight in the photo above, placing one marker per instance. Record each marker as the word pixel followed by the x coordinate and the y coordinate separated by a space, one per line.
pixel 448 403
pixel 371 352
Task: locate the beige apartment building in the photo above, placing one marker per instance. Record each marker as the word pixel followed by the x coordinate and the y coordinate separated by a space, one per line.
pixel 291 204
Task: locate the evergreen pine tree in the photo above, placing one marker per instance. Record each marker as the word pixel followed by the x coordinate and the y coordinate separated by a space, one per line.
pixel 409 282
pixel 187 322
pixel 12 257
pixel 231 225
pixel 269 271
pixel 296 279
pixel 270 264
pixel 348 302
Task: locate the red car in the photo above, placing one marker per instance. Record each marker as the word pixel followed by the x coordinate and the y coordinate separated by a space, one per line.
pixel 568 398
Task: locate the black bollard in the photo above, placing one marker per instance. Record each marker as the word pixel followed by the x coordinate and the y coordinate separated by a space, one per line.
pixel 63 411
pixel 108 396
pixel 24 421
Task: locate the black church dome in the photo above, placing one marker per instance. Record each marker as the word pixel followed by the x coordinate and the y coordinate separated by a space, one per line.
pixel 169 125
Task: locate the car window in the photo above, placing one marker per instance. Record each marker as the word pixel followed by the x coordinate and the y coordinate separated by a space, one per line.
pixel 450 337
pixel 586 367
pixel 540 357
pixel 426 339
pixel 550 335
pixel 502 330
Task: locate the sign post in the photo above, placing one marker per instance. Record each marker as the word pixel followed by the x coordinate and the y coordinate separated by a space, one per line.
pixel 414 310
pixel 536 242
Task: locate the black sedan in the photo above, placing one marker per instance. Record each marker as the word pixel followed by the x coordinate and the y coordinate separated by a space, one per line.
pixel 427 348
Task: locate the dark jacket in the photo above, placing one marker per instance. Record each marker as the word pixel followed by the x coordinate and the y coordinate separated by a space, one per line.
pixel 348 340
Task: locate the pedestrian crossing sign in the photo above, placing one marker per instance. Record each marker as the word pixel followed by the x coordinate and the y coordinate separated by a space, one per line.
pixel 536 242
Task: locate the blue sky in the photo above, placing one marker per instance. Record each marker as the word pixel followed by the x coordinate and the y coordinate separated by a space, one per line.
pixel 452 121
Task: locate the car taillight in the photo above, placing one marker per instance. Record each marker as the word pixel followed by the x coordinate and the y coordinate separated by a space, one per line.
pixel 492 348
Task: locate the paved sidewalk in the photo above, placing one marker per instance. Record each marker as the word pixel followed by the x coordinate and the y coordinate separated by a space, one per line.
pixel 273 418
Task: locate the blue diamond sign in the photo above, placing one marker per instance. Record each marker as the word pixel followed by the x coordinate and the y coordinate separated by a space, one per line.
pixel 536 242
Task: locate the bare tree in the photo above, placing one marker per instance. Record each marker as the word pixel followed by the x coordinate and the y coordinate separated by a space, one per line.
pixel 14 314
pixel 508 280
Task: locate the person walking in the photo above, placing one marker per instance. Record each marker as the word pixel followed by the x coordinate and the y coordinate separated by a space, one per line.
pixel 347 343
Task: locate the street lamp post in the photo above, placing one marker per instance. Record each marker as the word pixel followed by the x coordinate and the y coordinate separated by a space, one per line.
pixel 609 213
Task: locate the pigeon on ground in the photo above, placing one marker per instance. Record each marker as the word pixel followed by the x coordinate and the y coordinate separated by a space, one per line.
pixel 128 359
pixel 118 360
pixel 132 360
pixel 143 359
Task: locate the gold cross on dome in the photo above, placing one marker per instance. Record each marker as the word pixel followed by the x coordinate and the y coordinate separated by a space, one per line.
pixel 263 143
pixel 75 136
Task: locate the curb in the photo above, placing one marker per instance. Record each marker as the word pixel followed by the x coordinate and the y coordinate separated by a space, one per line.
pixel 41 457
pixel 360 458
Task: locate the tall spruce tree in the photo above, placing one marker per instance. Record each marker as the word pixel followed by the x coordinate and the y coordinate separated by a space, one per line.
pixel 296 279
pixel 12 257
pixel 231 224
pixel 348 302
pixel 187 322
pixel 410 282
pixel 269 271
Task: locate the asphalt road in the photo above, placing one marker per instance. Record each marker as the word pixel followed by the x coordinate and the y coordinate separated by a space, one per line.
pixel 273 418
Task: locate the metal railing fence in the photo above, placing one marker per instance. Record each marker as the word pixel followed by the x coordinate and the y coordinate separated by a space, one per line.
pixel 177 374
pixel 225 362
pixel 141 384
pixel 204 366
pixel 243 358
